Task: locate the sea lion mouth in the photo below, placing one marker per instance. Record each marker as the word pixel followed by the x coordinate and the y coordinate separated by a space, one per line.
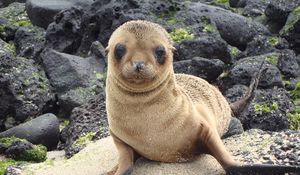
pixel 131 75
pixel 141 84
pixel 139 78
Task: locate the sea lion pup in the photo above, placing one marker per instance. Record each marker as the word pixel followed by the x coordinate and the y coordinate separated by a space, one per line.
pixel 155 113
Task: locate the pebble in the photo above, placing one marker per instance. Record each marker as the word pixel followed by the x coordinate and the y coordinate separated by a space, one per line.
pixel 281 148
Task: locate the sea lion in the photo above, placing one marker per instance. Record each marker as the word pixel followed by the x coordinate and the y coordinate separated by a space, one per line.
pixel 155 113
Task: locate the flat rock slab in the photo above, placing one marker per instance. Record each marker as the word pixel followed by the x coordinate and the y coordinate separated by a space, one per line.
pixel 101 156
pixel 253 146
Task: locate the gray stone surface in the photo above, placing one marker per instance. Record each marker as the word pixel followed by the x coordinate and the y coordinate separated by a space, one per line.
pixel 5 3
pixel 208 69
pixel 24 89
pixel 254 146
pixel 75 79
pixel 41 130
pixel 42 12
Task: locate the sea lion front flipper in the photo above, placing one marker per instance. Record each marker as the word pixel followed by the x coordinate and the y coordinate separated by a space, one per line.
pixel 126 157
pixel 213 145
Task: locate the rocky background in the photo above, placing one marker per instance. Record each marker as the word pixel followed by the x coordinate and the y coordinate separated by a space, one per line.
pixel 52 63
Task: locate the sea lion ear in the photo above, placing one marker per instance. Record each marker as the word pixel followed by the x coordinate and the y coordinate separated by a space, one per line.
pixel 106 50
pixel 173 49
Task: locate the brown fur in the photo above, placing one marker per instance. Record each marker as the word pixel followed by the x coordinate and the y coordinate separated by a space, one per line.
pixel 157 114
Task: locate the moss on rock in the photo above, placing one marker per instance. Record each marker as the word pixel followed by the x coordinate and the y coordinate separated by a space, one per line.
pixel 10 47
pixel 4 164
pixel 7 141
pixel 181 34
pixel 273 41
pixel 291 21
pixel 2 28
pixel 37 154
pixel 234 51
pixel 209 28
pixel 273 59
pixel 296 92
pixel 221 1
pixel 83 140
pixel 63 124
pixel 22 23
pixel 11 18
pixel 294 118
pixel 265 108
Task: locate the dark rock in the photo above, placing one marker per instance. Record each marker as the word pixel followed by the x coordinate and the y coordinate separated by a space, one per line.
pixel 11 18
pixel 244 69
pixel 76 97
pixel 265 44
pixel 75 80
pixel 65 71
pixel 254 8
pixel 235 127
pixel 103 17
pixel 65 33
pixel 22 150
pixel 237 3
pixel 29 42
pixel 235 93
pixel 278 10
pixel 268 111
pixel 298 59
pixel 87 119
pixel 288 65
pixel 41 130
pixel 184 66
pixel 209 69
pixel 227 22
pixel 5 3
pixel 206 46
pixel 42 12
pixel 98 51
pixel 24 88
pixel 18 148
pixel 291 29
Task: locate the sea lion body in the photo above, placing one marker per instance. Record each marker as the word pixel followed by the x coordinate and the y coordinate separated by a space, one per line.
pixel 153 112
pixel 166 127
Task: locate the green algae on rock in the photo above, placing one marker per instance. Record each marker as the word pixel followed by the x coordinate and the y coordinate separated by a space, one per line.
pixel 181 34
pixel 273 41
pixel 37 154
pixel 296 92
pixel 30 152
pixel 265 108
pixel 294 118
pixel 272 58
pixel 83 140
pixel 293 18
pixel 4 164
pixel 11 18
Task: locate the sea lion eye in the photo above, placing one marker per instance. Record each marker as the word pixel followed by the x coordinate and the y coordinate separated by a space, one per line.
pixel 160 54
pixel 120 51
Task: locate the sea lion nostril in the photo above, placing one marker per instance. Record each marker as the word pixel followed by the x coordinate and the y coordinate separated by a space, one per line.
pixel 139 65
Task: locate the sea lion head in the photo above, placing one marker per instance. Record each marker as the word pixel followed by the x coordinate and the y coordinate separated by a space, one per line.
pixel 140 55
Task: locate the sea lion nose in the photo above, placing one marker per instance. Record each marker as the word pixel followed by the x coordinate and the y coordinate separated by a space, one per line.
pixel 138 65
